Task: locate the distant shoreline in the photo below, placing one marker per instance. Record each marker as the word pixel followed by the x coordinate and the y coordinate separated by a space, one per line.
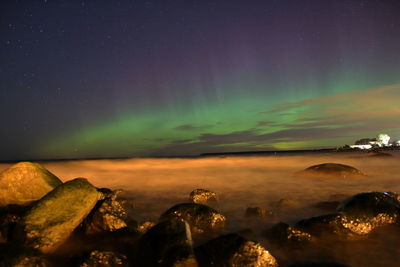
pixel 213 154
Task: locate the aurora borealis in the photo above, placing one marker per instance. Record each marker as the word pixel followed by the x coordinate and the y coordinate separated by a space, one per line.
pixel 163 78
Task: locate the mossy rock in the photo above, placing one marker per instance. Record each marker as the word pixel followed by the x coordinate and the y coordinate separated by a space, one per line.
pixel 25 182
pixel 53 218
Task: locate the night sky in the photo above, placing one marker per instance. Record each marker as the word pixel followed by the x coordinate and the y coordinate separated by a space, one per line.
pixel 122 78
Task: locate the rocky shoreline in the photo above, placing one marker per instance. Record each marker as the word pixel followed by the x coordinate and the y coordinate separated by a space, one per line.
pixel 45 222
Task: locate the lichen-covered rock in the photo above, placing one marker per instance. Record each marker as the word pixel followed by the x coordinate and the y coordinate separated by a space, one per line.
pixel 233 250
pixel 257 212
pixel 98 258
pixel 143 227
pixel 284 234
pixel 318 263
pixel 203 220
pixel 25 182
pixel 168 243
pixel 12 255
pixel 330 170
pixel 203 196
pixel 53 218
pixel 107 216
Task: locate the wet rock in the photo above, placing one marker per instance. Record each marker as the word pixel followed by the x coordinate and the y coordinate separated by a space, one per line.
pixel 168 243
pixel 9 216
pixel 143 227
pixel 257 212
pixel 12 255
pixel 25 182
pixel 203 196
pixel 107 216
pixel 286 203
pixel 98 258
pixel 53 218
pixel 233 250
pixel 381 155
pixel 330 170
pixel 318 263
pixel 286 235
pixel 203 220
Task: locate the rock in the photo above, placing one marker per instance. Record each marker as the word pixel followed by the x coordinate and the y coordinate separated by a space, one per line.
pixel 327 205
pixel 107 216
pixel 330 170
pixel 203 196
pixel 257 212
pixel 286 203
pixel 25 182
pixel 12 255
pixel 286 235
pixel 9 216
pixel 381 155
pixel 203 220
pixel 53 218
pixel 143 227
pixel 317 263
pixel 233 250
pixel 168 243
pixel 98 258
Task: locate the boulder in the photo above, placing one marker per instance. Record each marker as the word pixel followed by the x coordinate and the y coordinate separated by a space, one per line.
pixel 168 243
pixel 107 216
pixel 9 217
pixel 330 170
pixel 143 227
pixel 286 235
pixel 203 196
pixel 13 255
pixel 203 220
pixel 25 182
pixel 233 250
pixel 104 259
pixel 53 218
pixel 257 212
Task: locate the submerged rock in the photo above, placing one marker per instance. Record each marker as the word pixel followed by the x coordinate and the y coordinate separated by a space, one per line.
pixel 284 234
pixel 203 220
pixel 53 218
pixel 203 196
pixel 25 182
pixel 168 243
pixel 233 250
pixel 107 216
pixel 330 170
pixel 327 205
pixel 104 259
pixel 257 212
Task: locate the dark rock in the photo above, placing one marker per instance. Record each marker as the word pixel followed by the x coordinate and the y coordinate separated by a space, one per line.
pixel 203 196
pixel 330 170
pixel 317 263
pixel 52 219
pixel 286 203
pixel 12 255
pixel 257 212
pixel 143 227
pixel 286 235
pixel 98 258
pixel 381 155
pixel 107 216
pixel 233 250
pixel 203 220
pixel 168 243
pixel 9 217
pixel 25 182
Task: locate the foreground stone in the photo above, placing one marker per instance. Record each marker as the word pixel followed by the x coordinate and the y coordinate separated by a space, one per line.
pixel 233 250
pixel 9 217
pixel 25 182
pixel 203 220
pixel 330 170
pixel 51 220
pixel 285 235
pixel 12 255
pixel 107 216
pixel 203 196
pixel 168 243
pixel 104 259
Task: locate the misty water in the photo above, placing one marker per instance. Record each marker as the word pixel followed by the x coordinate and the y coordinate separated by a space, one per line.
pixel 154 185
